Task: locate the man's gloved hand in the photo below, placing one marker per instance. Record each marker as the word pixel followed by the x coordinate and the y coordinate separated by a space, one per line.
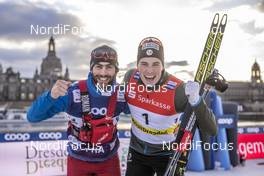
pixel 192 92
pixel 60 88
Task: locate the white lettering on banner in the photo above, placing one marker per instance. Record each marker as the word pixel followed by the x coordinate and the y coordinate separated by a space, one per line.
pixel 50 135
pixel 253 130
pixel 153 102
pixel 240 130
pixel 259 147
pixel 17 136
pixel 251 148
pixel 225 121
pixel 99 111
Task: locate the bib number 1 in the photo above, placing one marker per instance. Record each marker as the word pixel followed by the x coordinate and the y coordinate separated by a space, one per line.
pixel 145 115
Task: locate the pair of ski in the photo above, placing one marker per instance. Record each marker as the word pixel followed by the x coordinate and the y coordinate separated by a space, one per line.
pixel 177 164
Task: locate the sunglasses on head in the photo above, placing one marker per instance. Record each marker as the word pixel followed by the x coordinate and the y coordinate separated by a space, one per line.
pixel 102 54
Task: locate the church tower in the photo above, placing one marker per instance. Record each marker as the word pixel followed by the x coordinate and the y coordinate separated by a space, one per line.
pixel 51 51
pixel 256 73
pixel 51 65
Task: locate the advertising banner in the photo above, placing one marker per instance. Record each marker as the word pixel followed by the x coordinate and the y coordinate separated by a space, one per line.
pixel 43 153
pixel 251 142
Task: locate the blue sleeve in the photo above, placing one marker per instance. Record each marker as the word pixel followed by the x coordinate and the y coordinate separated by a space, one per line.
pixel 45 107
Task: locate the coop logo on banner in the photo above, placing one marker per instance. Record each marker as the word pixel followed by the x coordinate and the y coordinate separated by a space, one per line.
pixel 241 130
pixel 225 121
pixel 253 130
pixel 50 135
pixel 17 136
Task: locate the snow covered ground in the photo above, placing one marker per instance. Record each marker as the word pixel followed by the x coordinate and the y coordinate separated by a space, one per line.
pixel 29 161
pixel 252 168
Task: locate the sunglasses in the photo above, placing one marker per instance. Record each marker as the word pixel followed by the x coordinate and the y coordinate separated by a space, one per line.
pixel 103 54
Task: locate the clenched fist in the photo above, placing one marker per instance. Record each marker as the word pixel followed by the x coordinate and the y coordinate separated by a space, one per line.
pixel 60 88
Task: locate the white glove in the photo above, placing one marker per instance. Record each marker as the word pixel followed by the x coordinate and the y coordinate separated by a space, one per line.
pixel 192 92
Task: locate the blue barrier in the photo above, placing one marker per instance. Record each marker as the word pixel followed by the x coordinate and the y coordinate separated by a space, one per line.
pixel 212 156
pixel 196 161
pixel 222 154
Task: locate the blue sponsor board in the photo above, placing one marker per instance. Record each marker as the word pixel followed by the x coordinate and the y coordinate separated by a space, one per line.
pixel 227 121
pixel 251 130
pixel 44 136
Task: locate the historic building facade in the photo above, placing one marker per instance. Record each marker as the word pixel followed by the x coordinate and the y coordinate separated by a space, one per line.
pixel 248 94
pixel 16 88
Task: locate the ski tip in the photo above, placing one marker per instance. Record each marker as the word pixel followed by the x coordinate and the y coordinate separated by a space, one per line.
pixel 224 19
pixel 217 14
pixel 216 18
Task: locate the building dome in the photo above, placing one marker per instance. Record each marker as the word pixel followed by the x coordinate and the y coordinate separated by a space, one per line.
pixel 51 64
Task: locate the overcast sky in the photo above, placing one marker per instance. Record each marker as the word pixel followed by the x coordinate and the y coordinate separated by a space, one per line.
pixel 182 26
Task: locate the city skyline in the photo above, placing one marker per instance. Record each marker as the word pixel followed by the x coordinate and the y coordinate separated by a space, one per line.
pixel 182 27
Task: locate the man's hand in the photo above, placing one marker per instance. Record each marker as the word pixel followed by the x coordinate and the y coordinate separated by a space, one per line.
pixel 60 88
pixel 192 92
